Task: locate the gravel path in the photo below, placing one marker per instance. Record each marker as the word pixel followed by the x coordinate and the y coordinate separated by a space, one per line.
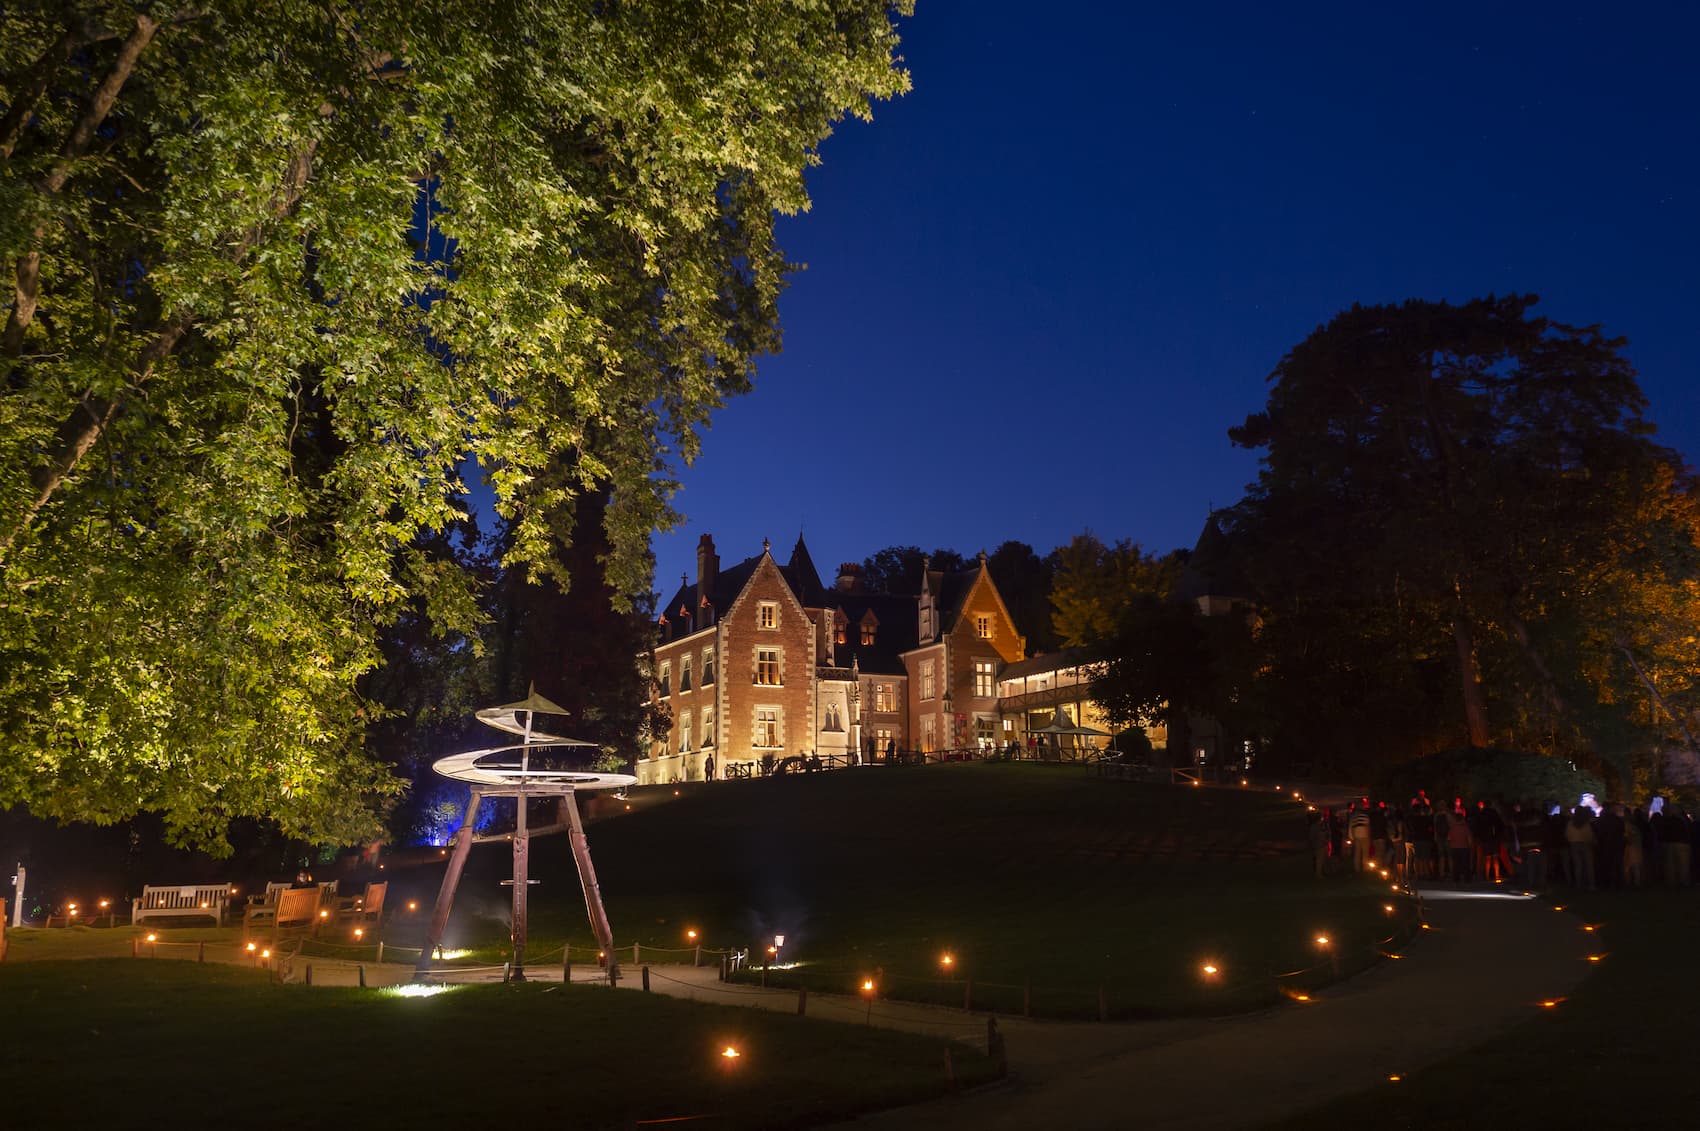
pixel 1489 960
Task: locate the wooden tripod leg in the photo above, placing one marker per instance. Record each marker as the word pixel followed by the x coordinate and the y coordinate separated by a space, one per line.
pixel 451 880
pixel 592 892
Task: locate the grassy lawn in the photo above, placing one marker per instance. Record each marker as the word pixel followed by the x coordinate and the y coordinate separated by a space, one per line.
pixel 1029 876
pixel 148 1044
pixel 1619 1052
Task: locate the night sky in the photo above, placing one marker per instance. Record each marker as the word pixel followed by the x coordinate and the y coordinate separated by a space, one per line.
pixel 1042 286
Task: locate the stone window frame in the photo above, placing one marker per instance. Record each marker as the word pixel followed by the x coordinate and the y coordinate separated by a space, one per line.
pixel 708 667
pixel 985 679
pixel 707 720
pixel 983 626
pixel 759 727
pixel 778 666
pixel 929 689
pixel 665 678
pixel 767 615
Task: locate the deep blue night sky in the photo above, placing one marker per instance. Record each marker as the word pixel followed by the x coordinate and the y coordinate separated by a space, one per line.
pixel 1041 287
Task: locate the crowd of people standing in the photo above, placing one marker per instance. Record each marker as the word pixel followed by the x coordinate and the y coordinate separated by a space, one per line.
pixel 1588 845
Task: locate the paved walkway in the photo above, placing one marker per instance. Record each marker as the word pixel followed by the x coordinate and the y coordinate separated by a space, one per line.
pixel 1488 961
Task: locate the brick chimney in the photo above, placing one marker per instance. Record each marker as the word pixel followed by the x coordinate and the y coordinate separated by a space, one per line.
pixel 708 570
pixel 850 577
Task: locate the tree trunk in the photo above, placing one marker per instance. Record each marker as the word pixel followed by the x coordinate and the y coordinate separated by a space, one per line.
pixel 1659 700
pixel 1469 676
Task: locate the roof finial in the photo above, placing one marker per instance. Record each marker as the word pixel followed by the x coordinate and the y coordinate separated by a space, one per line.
pixel 766 546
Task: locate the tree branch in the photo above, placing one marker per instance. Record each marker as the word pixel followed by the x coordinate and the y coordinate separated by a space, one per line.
pixel 28 285
pixel 84 427
pixel 35 84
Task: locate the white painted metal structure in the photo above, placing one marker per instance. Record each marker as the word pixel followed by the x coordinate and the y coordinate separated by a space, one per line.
pixel 517 770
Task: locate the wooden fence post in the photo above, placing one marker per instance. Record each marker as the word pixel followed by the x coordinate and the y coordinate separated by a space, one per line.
pixel 646 979
pixel 360 971
pixel 635 958
pixel 201 953
pixel 309 973
pixel 566 964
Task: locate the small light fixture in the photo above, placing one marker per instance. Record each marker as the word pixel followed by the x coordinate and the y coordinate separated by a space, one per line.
pixel 152 937
pixel 413 905
pixel 360 932
pixel 691 935
pixel 867 985
pixel 1210 970
pixel 267 953
pixel 730 1053
pixel 778 940
pixel 252 948
pixel 1321 940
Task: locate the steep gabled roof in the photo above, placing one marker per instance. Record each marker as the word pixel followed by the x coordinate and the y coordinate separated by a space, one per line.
pixel 1213 569
pixel 894 636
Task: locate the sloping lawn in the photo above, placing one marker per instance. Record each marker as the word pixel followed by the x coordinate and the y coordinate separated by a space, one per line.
pixel 1047 887
pixel 119 1043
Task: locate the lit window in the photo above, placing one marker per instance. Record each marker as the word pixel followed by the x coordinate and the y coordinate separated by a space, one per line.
pixel 767 614
pixel 839 624
pixel 928 733
pixel 767 667
pixel 926 679
pixel 885 697
pixel 882 739
pixel 766 735
pixel 708 726
pixel 666 680
pixel 983 627
pixel 685 674
pixel 685 734
pixel 867 635
pixel 983 678
pixel 707 668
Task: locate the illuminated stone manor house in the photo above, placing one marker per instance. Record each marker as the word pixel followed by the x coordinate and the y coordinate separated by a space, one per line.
pixel 764 662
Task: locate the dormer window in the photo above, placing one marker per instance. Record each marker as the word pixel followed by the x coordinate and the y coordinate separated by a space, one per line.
pixel 840 625
pixel 867 635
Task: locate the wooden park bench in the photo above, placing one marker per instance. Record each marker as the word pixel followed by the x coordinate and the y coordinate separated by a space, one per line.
pixel 363 909
pixel 158 901
pixel 295 911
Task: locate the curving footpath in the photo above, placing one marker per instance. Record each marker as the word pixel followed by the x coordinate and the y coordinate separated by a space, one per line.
pixel 1489 960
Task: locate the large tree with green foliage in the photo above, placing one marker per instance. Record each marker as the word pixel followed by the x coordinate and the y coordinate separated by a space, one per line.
pixel 1095 584
pixel 278 269
pixel 1460 518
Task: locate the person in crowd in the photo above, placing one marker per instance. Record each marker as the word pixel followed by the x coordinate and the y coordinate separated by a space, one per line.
pixel 1398 844
pixel 1459 842
pixel 1357 831
pixel 1608 847
pixel 1531 845
pixel 1633 867
pixel 1319 842
pixel 1442 843
pixel 1579 835
pixel 1419 835
pixel 1678 851
pixel 1377 833
pixel 1487 832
